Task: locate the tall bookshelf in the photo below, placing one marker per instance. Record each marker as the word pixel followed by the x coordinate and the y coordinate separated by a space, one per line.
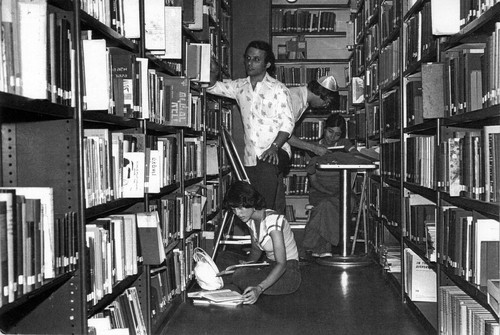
pixel 429 103
pixel 62 138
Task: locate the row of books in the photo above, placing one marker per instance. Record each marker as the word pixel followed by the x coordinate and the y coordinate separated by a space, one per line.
pixel 420 165
pixel 371 44
pixel 390 155
pixel 419 212
pixel 389 201
pixel 300 75
pixel 389 68
pixel 194 162
pixel 299 159
pixel 27 35
pixel 473 9
pixel 290 213
pixel 164 24
pixel 35 245
pixel 310 129
pixel 420 41
pixel 121 83
pixel 113 253
pixel 120 15
pixel 123 316
pixel 461 314
pixel 127 164
pixel 372 111
pixel 296 184
pixel 470 164
pixel 391 110
pixel 389 18
pixel 473 64
pixel 469 245
pixel 302 20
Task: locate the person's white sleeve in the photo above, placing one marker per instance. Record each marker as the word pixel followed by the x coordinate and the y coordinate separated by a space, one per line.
pixel 225 89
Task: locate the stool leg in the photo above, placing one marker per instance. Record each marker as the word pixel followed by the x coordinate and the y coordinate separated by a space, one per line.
pixel 358 219
pixel 221 231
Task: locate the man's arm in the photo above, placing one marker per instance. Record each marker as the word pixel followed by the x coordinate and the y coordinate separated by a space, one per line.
pixel 296 142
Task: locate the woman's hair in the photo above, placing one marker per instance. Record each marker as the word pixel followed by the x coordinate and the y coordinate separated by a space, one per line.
pixel 333 98
pixel 336 120
pixel 242 194
pixel 270 58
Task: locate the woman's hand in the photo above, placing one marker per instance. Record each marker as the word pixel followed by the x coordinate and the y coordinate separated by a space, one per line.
pixel 251 294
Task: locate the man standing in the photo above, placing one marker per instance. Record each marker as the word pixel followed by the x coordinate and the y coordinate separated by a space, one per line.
pixel 267 117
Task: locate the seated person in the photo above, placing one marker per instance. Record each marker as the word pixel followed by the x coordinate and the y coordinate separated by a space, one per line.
pixel 270 233
pixel 323 229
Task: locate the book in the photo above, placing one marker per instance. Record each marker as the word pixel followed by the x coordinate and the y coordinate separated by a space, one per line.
pixel 490 261
pixel 45 196
pixel 218 296
pixel 230 269
pixel 196 23
pixel 178 99
pixel 154 26
pixel 491 162
pixel 131 26
pixel 32 21
pixel 445 17
pixel 420 278
pixel 484 230
pixel 124 69
pixel 173 33
pixel 150 236
pixel 96 74
pixel 133 174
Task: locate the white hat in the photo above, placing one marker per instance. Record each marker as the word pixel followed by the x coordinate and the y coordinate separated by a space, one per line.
pixel 329 83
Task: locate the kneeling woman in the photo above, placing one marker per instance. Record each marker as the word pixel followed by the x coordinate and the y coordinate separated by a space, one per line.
pixel 270 232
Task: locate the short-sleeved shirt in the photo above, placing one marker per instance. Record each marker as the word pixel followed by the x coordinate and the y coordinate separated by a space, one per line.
pixel 299 101
pixel 265 111
pixel 274 221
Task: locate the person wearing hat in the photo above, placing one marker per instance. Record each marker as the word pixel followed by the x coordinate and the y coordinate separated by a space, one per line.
pixel 318 93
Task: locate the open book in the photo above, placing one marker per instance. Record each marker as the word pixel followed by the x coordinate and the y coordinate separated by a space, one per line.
pixel 336 147
pixel 224 296
pixel 232 268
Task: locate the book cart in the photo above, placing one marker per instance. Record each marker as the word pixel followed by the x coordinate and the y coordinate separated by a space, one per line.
pixel 78 135
pixel 430 105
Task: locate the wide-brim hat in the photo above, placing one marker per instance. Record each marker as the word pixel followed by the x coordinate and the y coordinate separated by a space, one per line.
pixel 329 83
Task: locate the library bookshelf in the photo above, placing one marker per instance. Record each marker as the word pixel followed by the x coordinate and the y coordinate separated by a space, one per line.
pixel 430 104
pixel 105 130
